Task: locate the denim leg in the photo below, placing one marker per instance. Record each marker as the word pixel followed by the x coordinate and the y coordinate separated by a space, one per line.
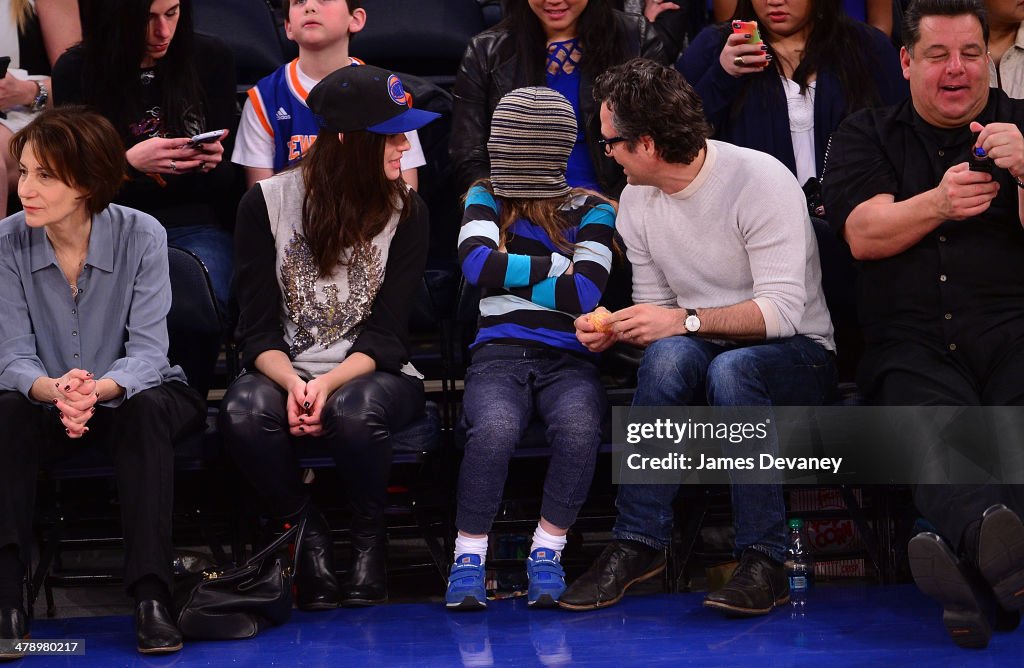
pixel 496 408
pixel 789 372
pixel 214 247
pixel 571 401
pixel 672 373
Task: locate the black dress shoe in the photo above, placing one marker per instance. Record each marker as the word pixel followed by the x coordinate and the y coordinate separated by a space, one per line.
pixel 623 563
pixel 967 609
pixel 155 630
pixel 367 582
pixel 315 582
pixel 1001 556
pixel 13 626
pixel 757 585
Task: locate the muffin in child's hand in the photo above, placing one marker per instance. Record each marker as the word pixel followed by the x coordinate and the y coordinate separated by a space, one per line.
pixel 599 320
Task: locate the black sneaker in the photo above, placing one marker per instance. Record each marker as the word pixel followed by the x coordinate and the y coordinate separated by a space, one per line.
pixel 1001 556
pixel 966 610
pixel 757 586
pixel 622 564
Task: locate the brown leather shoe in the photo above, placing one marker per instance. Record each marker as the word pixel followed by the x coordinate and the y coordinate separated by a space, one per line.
pixel 757 586
pixel 622 564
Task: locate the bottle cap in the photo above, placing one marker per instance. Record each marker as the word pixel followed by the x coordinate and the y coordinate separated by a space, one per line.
pixel 979 152
pixel 796 523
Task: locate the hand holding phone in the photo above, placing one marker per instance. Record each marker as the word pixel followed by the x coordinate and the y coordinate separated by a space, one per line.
pixel 747 28
pixel 206 138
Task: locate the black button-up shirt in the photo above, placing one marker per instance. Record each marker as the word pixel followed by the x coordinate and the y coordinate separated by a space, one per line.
pixel 962 285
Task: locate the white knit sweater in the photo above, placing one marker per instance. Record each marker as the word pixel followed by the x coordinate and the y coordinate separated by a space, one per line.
pixel 739 231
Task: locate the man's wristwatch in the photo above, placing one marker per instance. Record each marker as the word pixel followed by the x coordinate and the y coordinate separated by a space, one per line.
pixel 39 103
pixel 692 322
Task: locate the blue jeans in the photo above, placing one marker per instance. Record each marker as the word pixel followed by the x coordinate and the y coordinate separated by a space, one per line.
pixel 688 371
pixel 506 386
pixel 214 247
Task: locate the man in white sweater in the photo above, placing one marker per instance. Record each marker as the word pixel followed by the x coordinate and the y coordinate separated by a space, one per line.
pixel 728 307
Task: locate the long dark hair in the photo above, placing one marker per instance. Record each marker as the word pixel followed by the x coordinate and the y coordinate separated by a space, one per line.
pixel 349 199
pixel 599 35
pixel 113 46
pixel 832 44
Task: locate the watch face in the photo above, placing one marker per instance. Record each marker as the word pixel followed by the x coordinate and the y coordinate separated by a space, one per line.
pixel 692 323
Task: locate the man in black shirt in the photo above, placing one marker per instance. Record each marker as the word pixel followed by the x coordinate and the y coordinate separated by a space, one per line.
pixel 941 287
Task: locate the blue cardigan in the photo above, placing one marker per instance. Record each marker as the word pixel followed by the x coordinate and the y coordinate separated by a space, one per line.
pixel 762 121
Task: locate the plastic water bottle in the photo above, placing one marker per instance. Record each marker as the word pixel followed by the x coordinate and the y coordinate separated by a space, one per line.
pixel 799 569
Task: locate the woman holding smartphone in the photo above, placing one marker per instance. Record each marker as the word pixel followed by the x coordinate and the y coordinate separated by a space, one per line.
pixel 141 66
pixel 328 255
pixel 785 94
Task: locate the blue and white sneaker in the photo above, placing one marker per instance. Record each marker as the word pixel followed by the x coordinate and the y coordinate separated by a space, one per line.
pixel 547 578
pixel 466 590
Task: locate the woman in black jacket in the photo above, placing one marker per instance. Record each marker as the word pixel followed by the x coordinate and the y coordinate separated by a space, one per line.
pixel 562 44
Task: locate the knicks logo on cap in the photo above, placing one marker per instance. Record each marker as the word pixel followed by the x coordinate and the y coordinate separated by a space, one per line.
pixel 396 91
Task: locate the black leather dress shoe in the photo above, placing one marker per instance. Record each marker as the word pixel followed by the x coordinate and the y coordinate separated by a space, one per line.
pixel 967 609
pixel 315 582
pixel 1001 556
pixel 155 630
pixel 13 626
pixel 622 564
pixel 367 577
pixel 757 586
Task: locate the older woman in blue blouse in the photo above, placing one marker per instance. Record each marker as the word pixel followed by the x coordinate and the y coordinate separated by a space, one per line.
pixel 84 292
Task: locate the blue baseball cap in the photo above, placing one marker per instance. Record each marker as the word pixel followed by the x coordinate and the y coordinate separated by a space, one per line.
pixel 367 98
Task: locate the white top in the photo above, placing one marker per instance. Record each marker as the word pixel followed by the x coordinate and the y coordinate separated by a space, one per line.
pixel 739 231
pixel 255 148
pixel 801 127
pixel 1010 73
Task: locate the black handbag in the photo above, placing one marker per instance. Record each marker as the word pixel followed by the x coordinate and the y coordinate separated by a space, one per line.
pixel 239 602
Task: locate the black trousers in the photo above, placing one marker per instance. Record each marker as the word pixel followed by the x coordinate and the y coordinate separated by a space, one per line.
pixel 140 436
pixel 918 375
pixel 357 420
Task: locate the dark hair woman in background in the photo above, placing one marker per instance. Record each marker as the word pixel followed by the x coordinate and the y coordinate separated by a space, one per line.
pixel 329 254
pixel 85 294
pixel 141 66
pixel 562 44
pixel 787 95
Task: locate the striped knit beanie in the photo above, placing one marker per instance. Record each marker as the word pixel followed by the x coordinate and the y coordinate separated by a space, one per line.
pixel 533 131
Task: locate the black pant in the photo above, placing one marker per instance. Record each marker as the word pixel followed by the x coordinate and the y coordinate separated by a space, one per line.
pixel 920 375
pixel 357 420
pixel 139 434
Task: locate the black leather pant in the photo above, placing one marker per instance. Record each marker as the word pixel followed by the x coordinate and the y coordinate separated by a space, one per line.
pixel 139 434
pixel 357 423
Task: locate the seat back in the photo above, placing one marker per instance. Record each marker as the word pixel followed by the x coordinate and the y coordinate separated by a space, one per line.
pixel 195 325
pixel 252 29
pixel 426 38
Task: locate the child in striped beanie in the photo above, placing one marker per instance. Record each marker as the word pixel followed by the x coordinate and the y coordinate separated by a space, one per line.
pixel 541 253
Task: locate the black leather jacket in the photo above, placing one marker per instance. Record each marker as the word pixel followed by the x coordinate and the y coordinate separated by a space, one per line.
pixel 489 70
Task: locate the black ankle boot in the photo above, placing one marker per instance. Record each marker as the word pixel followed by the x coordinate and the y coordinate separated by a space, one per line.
pixel 315 582
pixel 367 582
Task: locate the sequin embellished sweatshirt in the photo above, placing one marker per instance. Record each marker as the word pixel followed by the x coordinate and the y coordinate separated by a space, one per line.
pixel 363 306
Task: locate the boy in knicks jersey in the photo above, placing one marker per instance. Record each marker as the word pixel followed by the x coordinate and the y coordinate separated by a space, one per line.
pixel 277 127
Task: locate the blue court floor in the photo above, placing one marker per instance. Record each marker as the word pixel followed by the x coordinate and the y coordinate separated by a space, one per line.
pixel 844 626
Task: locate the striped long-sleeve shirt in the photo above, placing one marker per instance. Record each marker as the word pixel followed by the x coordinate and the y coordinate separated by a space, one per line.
pixel 528 299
